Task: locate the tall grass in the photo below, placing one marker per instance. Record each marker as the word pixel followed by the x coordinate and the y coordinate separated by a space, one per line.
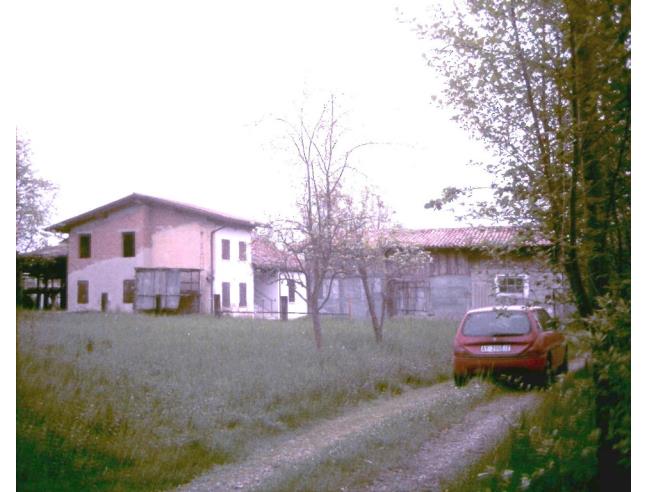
pixel 126 402
pixel 553 448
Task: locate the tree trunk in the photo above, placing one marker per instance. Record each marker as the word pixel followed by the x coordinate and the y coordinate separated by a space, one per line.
pixel 317 325
pixel 375 322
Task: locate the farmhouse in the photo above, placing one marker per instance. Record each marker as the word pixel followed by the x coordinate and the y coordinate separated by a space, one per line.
pixel 469 268
pixel 142 253
pixel 148 254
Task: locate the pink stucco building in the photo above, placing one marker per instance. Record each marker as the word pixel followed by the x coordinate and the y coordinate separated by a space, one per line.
pixel 142 253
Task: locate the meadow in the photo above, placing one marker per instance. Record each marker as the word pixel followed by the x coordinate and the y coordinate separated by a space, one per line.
pixel 131 402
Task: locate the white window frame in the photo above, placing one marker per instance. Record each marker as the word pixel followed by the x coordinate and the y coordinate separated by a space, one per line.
pixel 525 285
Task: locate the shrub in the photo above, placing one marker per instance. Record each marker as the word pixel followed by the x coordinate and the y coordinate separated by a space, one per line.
pixel 610 326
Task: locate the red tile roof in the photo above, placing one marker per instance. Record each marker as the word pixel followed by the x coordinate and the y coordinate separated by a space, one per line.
pixel 265 254
pixel 464 237
pixel 137 198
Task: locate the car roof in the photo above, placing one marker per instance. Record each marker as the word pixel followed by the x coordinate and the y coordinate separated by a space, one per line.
pixel 504 308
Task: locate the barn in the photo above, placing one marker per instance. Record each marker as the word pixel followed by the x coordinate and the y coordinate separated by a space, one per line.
pixel 469 267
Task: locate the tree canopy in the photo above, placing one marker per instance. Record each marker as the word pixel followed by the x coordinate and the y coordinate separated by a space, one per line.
pixel 547 86
pixel 34 197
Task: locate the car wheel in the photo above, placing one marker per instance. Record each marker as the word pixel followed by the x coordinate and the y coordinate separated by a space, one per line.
pixel 548 373
pixel 460 380
pixel 564 367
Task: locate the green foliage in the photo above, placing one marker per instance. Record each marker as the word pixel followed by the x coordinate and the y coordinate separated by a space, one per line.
pixel 611 352
pixel 546 85
pixel 33 200
pixel 137 402
pixel 554 448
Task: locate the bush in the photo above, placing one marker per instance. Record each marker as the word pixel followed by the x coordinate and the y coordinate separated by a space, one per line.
pixel 610 326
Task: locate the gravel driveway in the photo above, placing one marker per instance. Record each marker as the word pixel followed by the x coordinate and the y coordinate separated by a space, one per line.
pixel 438 460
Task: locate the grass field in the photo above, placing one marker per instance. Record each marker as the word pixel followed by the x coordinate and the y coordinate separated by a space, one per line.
pixel 127 402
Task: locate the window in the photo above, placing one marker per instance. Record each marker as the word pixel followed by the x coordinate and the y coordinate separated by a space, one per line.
pixel 291 290
pixel 242 251
pixel 128 244
pixel 242 295
pixel 84 245
pixel 491 323
pixel 512 285
pixel 226 294
pixel 82 292
pixel 225 249
pixel 129 291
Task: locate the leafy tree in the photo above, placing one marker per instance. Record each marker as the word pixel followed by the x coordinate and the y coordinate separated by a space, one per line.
pixel 546 84
pixel 34 197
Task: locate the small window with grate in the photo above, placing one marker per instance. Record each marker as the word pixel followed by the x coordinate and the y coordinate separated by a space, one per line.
pixel 82 291
pixel 512 285
pixel 291 290
pixel 129 291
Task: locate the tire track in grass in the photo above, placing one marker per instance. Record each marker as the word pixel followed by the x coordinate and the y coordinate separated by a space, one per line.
pixel 460 446
pixel 438 459
pixel 285 453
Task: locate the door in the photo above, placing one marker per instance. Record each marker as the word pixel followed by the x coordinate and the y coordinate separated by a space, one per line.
pixel 217 304
pixel 283 308
pixel 104 302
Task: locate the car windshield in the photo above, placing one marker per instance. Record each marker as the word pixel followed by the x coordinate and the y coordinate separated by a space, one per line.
pixel 491 323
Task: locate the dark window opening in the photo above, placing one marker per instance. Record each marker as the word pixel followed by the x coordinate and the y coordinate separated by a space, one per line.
pixel 82 292
pixel 129 291
pixel 128 244
pixel 242 295
pixel 291 291
pixel 226 249
pixel 226 294
pixel 242 251
pixel 84 246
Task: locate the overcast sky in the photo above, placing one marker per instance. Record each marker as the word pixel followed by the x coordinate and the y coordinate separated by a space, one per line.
pixel 181 99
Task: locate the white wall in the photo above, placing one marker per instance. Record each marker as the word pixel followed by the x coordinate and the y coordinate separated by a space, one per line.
pixel 269 289
pixel 105 276
pixel 234 271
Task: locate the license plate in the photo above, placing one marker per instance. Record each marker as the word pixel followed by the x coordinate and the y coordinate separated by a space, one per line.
pixel 495 348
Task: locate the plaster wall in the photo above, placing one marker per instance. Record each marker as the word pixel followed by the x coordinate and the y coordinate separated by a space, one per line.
pixel 106 269
pixel 233 270
pixel 164 238
pixel 298 308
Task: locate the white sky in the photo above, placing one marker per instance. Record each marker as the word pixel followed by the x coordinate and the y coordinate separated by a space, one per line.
pixel 180 100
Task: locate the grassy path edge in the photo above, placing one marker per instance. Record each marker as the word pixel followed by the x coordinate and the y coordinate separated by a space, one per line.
pixel 285 454
pixel 441 460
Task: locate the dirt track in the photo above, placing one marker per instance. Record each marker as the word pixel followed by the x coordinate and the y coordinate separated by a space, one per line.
pixel 439 460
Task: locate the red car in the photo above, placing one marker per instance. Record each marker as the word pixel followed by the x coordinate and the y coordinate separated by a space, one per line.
pixel 509 339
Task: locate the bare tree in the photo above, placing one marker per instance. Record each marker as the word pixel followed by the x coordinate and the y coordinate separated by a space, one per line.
pixel 313 243
pixel 374 251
